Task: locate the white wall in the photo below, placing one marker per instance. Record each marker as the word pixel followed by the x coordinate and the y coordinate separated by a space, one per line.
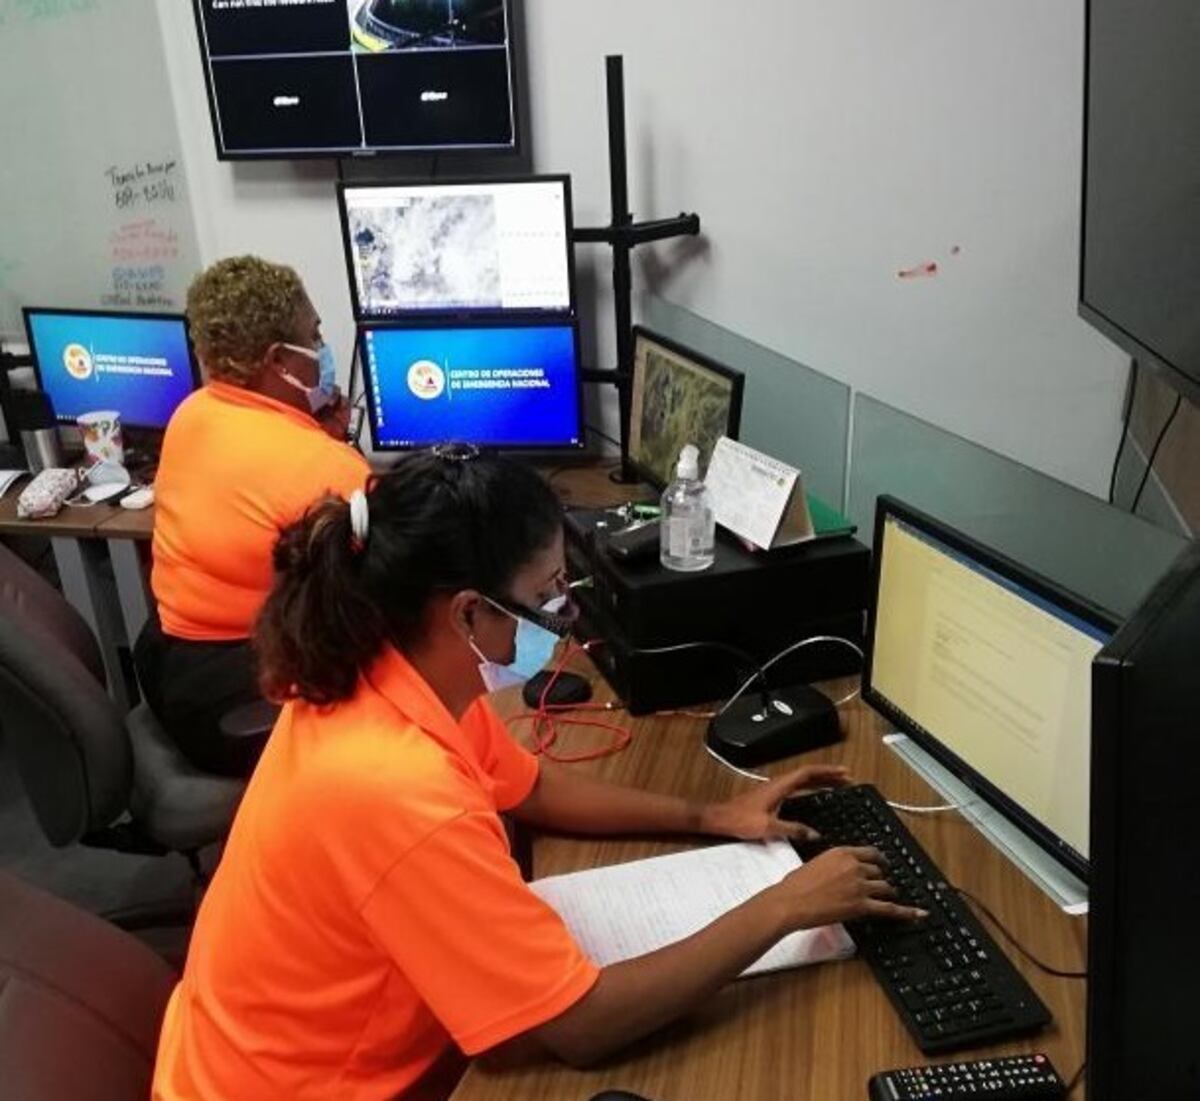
pixel 826 147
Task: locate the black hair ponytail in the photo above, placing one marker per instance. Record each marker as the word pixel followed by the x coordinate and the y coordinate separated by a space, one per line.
pixel 318 627
pixel 436 522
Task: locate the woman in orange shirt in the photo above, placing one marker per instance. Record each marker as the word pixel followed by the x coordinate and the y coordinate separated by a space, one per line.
pixel 242 458
pixel 367 915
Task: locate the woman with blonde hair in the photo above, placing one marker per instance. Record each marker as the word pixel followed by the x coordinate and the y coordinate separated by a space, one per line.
pixel 242 459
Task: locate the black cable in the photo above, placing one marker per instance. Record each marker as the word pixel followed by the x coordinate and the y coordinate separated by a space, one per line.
pixel 752 663
pixel 1162 435
pixel 1130 396
pixel 1076 1080
pixel 1057 972
pixel 603 435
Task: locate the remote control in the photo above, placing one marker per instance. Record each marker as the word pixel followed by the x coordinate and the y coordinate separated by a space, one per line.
pixel 1011 1078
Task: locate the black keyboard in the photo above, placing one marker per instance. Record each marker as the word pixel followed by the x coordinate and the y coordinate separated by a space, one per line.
pixel 946 976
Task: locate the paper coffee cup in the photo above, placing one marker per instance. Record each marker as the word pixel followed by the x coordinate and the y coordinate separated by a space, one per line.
pixel 102 436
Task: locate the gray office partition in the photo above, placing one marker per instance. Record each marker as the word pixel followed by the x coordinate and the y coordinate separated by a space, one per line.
pixel 788 410
pixel 1076 540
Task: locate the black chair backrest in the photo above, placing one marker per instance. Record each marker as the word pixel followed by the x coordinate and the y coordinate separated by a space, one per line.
pixel 67 737
pixel 82 1002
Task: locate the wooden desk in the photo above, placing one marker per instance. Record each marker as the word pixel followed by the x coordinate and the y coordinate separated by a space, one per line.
pixel 814 1034
pixel 72 522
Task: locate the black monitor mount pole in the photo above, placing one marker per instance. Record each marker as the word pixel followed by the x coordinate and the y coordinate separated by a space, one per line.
pixel 623 235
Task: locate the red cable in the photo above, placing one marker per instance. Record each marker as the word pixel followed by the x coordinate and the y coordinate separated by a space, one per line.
pixel 545 730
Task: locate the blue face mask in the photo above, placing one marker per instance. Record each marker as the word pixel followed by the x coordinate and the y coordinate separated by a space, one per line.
pixel 320 395
pixel 327 366
pixel 534 647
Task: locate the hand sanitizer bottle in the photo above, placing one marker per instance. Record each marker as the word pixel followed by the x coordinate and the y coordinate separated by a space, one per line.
pixel 687 530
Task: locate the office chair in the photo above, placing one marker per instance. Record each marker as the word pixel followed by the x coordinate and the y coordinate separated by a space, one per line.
pixel 91 774
pixel 81 1002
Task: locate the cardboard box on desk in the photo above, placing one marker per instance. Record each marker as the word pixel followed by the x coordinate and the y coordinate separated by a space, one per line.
pixel 758 603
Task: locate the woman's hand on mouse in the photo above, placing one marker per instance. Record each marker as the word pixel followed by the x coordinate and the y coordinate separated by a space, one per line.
pixel 754 815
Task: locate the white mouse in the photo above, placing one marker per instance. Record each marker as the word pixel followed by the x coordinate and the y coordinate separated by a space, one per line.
pixel 139 498
pixel 102 492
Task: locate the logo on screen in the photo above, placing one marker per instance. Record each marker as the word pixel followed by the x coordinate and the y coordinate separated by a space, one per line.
pixel 78 361
pixel 426 380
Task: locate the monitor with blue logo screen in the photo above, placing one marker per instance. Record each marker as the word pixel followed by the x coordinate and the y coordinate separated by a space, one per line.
pixel 513 386
pixel 140 365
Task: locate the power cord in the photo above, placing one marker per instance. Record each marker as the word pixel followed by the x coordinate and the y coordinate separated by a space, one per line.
pixel 760 670
pixel 760 674
pixel 940 809
pixel 1071 1085
pixel 546 728
pixel 1162 435
pixel 1057 972
pixel 1130 395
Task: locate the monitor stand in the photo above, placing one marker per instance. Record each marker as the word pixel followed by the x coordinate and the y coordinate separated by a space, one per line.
pixel 143 446
pixel 1054 879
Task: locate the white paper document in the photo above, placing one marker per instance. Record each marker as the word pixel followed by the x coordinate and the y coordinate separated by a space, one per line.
pixel 627 910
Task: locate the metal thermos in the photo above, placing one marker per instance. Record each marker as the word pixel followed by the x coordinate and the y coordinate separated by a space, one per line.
pixel 42 451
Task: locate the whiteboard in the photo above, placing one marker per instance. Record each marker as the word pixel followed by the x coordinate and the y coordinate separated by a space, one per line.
pixel 96 212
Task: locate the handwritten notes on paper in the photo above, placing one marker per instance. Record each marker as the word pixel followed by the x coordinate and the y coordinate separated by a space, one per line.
pixel 627 910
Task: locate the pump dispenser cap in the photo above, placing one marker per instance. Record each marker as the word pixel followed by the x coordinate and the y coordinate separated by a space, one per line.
pixel 689 462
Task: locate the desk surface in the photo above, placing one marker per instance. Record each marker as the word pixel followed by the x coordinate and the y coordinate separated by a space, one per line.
pixel 585 485
pixel 75 522
pixel 815 1034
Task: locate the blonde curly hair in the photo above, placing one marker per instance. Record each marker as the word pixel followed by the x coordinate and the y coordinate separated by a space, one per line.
pixel 237 309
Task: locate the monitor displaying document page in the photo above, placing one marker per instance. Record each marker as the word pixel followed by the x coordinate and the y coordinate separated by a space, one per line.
pixel 504 386
pixel 497 247
pixel 988 667
pixel 140 365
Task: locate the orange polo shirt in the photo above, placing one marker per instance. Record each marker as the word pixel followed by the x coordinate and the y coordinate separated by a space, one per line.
pixel 236 469
pixel 366 911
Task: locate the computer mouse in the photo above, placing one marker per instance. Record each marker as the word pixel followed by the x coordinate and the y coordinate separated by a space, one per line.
pixel 567 689
pixel 139 498
pixel 102 492
pixel 617 1095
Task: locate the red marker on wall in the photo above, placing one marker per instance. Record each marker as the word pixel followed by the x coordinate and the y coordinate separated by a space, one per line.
pixel 921 271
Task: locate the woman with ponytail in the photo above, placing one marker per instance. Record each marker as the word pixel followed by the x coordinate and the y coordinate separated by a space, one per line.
pixel 367 922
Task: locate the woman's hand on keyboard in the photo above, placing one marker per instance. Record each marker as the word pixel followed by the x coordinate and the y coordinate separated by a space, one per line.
pixel 841 885
pixel 754 815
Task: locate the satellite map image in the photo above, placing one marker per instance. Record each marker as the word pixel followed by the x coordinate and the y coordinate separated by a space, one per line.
pixel 439 252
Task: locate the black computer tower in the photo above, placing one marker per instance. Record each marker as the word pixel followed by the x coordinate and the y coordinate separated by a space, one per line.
pixel 757 603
